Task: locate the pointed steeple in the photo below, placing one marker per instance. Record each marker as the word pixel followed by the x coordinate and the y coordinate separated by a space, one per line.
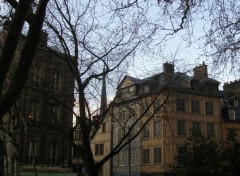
pixel 103 105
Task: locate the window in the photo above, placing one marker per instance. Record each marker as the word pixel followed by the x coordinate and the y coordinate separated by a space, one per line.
pixel 235 102
pixel 181 127
pixel 156 105
pixel 196 129
pixel 231 114
pixel 195 106
pixel 54 154
pixel 146 156
pixel 146 131
pixel 145 109
pixel 231 135
pixel 180 104
pixel 212 89
pixel 157 128
pixel 56 83
pixel 56 115
pixel 37 74
pixel 103 127
pixel 133 158
pixel 209 108
pixel 121 158
pixel 144 89
pixel 120 134
pixel 99 149
pixel 210 130
pixel 157 155
pixel 77 134
pixel 32 155
pixel 131 89
pixel 122 114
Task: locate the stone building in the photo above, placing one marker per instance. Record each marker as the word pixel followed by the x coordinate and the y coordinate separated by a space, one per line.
pixel 44 115
pixel 231 110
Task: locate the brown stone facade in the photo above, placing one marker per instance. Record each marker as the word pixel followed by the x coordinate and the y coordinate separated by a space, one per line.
pixel 43 124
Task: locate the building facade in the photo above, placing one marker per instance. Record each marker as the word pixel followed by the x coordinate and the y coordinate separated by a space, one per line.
pixel 44 114
pixel 231 111
pixel 170 107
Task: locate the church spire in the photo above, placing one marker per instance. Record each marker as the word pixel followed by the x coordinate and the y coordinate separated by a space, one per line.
pixel 103 105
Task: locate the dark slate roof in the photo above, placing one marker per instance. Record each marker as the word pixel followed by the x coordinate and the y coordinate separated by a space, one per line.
pixel 209 80
pixel 176 80
pixel 228 103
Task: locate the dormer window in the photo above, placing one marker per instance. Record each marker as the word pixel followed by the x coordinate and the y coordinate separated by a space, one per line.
pixel 231 114
pixel 131 89
pixel 194 85
pixel 145 88
pixel 235 102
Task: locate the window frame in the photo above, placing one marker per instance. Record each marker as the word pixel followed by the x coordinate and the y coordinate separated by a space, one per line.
pixel 196 128
pixel 133 158
pixel 180 104
pixel 209 108
pixel 122 158
pixel 157 128
pixel 235 102
pixel 146 131
pixel 99 149
pixel 195 106
pixel 157 155
pixel 181 128
pixel 211 130
pixel 156 105
pixel 146 156
pixel 232 112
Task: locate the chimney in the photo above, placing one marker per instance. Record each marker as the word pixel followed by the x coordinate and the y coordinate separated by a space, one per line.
pixel 232 86
pixel 201 71
pixel 168 68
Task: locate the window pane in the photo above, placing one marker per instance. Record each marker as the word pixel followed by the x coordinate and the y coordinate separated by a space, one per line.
pixel 157 155
pixel 210 130
pixel 145 109
pixel 103 127
pixel 121 158
pixel 181 127
pixel 209 108
pixel 146 156
pixel 196 129
pixel 120 134
pixel 180 104
pixel 133 160
pixel 195 106
pixel 157 128
pixel 231 114
pixel 156 105
pixel 99 149
pixel 146 131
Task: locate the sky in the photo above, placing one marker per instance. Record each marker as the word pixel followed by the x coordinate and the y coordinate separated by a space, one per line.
pixel 183 55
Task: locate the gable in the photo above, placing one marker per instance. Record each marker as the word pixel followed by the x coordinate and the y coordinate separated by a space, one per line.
pixel 126 82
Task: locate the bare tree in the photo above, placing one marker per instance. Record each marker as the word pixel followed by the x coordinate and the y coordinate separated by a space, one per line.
pixel 222 36
pixel 99 39
pixel 14 70
pixel 10 88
